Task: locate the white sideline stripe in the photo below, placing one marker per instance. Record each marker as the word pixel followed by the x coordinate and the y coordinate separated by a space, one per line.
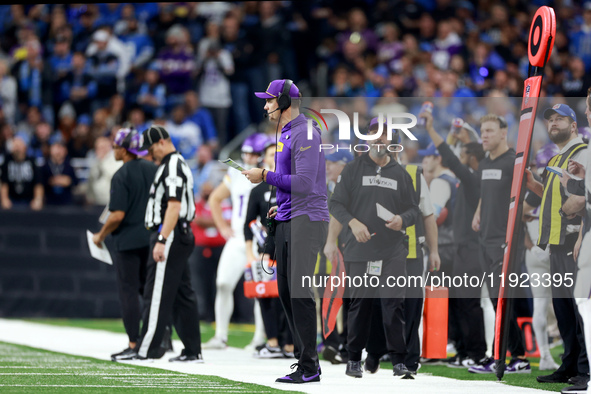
pixel 156 298
pixel 239 365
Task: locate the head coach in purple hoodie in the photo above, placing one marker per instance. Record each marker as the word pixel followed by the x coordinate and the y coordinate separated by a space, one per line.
pixel 301 216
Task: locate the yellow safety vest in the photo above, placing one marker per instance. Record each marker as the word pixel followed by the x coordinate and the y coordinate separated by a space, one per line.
pixel 411 232
pixel 553 226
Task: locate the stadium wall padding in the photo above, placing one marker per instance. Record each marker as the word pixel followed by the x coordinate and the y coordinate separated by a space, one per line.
pixel 46 269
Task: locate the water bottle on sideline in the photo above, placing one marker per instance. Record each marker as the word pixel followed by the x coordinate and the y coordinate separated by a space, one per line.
pixel 427 107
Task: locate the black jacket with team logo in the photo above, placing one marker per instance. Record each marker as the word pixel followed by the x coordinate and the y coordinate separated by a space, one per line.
pixel 496 177
pixel 355 196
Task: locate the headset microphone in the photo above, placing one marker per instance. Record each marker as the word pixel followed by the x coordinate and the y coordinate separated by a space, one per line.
pixel 266 114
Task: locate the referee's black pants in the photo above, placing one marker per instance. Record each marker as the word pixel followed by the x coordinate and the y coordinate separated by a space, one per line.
pixel 131 279
pixel 297 244
pixel 391 300
pixel 574 358
pixel 468 312
pixel 169 296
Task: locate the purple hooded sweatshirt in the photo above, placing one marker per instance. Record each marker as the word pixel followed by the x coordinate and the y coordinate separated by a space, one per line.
pixel 300 175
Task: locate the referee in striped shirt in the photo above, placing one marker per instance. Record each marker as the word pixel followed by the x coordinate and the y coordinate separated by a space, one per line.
pixel 168 294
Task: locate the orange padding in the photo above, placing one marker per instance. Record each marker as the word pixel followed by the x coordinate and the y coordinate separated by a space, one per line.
pixel 435 322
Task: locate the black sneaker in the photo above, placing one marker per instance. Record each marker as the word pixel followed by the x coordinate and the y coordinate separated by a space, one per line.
pixel 354 369
pixel 331 354
pixel 401 370
pixel 371 365
pixel 576 389
pixel 184 358
pixel 299 377
pixel 555 377
pixel 133 356
pixel 579 380
pixel 123 354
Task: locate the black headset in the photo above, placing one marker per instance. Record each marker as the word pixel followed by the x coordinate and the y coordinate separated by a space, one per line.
pixel 284 99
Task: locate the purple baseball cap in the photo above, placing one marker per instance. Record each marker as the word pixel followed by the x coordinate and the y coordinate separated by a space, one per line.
pixel 130 140
pixel 275 88
pixel 561 109
pixel 255 143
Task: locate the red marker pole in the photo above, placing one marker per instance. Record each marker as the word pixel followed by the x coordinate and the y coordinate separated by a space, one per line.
pixel 541 41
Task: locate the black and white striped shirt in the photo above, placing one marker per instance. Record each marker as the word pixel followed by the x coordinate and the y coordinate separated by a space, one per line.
pixel 173 180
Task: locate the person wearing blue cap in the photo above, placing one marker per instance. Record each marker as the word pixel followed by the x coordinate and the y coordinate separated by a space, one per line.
pixel 130 187
pixel 560 232
pixel 302 219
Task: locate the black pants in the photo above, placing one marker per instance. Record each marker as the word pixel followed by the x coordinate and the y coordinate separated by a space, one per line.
pixel 391 300
pixel 203 265
pixel 131 279
pixel 297 244
pixel 467 311
pixel 574 358
pixel 275 321
pixel 169 296
pixel 491 260
pixel 413 311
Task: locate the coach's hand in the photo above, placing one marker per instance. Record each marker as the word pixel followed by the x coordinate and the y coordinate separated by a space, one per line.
pixel 476 222
pixel 360 231
pixel 331 251
pixel 576 168
pixel 254 175
pixel 395 223
pixel 158 253
pixel 434 262
pixel 97 240
pixel 272 212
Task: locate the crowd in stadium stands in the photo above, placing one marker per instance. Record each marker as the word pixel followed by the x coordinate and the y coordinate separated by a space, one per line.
pixel 71 75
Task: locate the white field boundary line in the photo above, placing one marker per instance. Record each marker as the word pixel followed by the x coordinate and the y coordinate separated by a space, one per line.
pixel 239 365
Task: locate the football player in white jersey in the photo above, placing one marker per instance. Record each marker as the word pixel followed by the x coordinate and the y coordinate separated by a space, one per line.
pixel 233 259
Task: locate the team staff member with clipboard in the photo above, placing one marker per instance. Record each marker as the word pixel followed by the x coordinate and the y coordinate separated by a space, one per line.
pixel 130 188
pixel 377 247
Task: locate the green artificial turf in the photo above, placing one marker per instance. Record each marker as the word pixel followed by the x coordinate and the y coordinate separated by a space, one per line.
pixel 28 370
pixel 240 335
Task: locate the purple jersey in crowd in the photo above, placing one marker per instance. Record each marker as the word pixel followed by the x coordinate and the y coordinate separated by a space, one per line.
pixel 175 70
pixel 300 175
